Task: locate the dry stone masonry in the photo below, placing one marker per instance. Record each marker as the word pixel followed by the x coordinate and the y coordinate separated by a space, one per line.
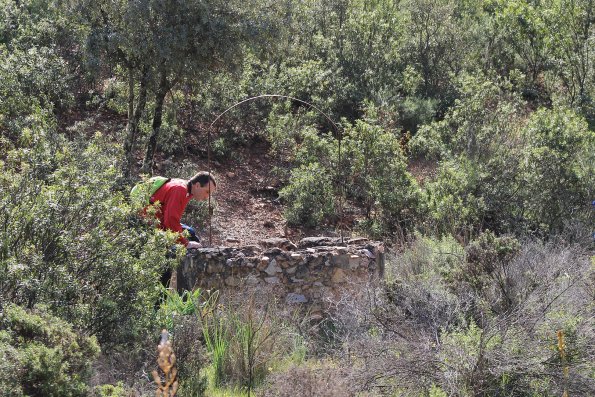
pixel 313 271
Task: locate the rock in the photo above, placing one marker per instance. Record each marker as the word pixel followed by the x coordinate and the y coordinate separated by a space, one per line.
pixel 339 276
pixel 232 281
pixel 318 241
pixel 271 280
pixel 316 261
pixel 291 270
pixel 302 272
pixel 340 260
pixel 368 253
pixel 273 251
pixel 252 280
pixel 357 240
pixel 293 298
pixel 264 263
pixel 277 242
pixel 214 267
pixel 282 262
pixel 273 268
pixel 232 240
pixel 354 262
pixel 231 175
pixel 251 262
pixel 251 250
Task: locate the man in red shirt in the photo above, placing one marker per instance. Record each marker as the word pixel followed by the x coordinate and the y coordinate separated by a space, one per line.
pixel 174 195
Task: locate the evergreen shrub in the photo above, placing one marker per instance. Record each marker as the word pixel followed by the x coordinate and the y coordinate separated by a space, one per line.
pixel 42 355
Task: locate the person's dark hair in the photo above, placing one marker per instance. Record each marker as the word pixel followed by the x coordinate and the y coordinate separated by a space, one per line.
pixel 203 177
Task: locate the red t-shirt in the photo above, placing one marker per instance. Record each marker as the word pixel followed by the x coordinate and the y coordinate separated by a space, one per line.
pixel 173 198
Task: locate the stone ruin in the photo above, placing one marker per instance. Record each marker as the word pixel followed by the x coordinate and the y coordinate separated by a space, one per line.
pixel 317 269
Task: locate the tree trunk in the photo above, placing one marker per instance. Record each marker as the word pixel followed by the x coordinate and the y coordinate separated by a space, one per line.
pixel 130 93
pixel 134 116
pixel 128 142
pixel 157 118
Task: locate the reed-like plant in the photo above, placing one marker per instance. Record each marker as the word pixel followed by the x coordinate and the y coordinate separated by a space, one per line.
pixel 216 341
pixel 198 302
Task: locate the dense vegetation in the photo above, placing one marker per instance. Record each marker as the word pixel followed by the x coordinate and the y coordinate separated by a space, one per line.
pixel 467 143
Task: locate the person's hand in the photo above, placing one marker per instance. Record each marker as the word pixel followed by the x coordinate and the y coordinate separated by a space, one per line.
pixel 193 245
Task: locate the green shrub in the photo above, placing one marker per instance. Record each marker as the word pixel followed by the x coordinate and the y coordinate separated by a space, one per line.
pixel 171 135
pixel 309 197
pixel 110 391
pixel 487 263
pixel 558 169
pixel 426 257
pixel 455 203
pixel 483 120
pixel 378 178
pixel 291 133
pixel 500 172
pixel 43 355
pixel 71 241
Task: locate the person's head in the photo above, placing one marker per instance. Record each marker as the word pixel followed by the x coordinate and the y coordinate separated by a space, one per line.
pixel 201 184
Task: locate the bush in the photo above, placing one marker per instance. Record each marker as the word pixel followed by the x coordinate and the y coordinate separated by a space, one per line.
pixel 485 119
pixel 42 355
pixel 292 135
pixel 454 200
pixel 485 258
pixel 309 197
pixel 111 391
pixel 70 240
pixel 377 177
pixel 500 172
pixel 559 169
pixel 421 334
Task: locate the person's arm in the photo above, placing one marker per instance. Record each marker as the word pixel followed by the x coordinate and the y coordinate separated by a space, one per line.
pixel 172 213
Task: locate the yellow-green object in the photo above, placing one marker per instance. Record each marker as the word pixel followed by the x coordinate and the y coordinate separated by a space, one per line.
pixel 145 190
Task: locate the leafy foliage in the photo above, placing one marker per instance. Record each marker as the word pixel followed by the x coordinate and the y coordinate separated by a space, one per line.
pixel 559 165
pixel 70 241
pixel 42 355
pixel 507 177
pixel 309 197
pixel 378 177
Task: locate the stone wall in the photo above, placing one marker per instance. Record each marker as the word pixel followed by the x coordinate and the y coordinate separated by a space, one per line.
pixel 314 270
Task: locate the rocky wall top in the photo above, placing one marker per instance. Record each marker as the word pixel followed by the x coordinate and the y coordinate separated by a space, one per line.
pixel 312 270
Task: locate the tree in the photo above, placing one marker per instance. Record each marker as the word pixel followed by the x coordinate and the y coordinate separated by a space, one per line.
pixel 573 51
pixel 432 43
pixel 161 43
pixel 527 26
